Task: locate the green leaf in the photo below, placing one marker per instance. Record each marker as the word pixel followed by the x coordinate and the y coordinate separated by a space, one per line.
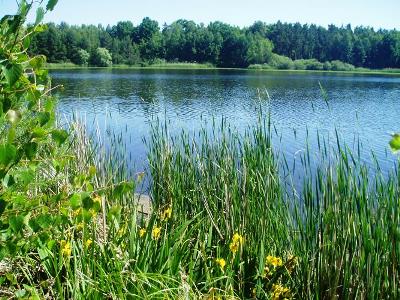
pixel 44 221
pixel 43 118
pixel 16 223
pixel 50 5
pixel 12 72
pixel 27 42
pixel 39 15
pixel 26 176
pixel 34 225
pixel 8 153
pixel 30 150
pixel 37 62
pixel 75 201
pixel 87 202
pixel 123 188
pixel 3 205
pixel 395 142
pixel 39 133
pixel 20 293
pixel 59 136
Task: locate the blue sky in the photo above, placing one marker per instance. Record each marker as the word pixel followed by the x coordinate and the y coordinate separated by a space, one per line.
pixel 375 13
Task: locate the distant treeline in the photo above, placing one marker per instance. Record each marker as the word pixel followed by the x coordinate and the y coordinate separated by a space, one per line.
pixel 281 45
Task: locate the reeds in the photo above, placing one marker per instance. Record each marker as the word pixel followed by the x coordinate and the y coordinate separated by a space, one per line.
pixel 225 223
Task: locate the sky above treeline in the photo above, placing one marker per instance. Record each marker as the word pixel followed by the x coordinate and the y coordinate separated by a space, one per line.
pixel 373 13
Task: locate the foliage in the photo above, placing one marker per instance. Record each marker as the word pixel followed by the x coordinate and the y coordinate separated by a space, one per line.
pixel 223 224
pixel 45 190
pixel 82 57
pixel 101 57
pixel 222 44
pixel 339 237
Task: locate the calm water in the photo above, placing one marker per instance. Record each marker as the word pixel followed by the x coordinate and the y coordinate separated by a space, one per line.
pixel 361 107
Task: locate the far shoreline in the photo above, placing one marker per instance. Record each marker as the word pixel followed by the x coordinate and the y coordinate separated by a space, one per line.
pixel 195 66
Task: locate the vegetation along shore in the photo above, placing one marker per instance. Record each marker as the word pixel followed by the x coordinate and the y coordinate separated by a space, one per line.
pixel 223 223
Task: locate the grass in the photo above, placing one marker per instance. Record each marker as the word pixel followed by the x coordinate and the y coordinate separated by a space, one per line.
pixel 224 225
pixel 194 66
pixel 160 65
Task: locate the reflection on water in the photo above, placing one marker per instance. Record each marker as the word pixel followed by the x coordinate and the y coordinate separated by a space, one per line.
pixel 364 107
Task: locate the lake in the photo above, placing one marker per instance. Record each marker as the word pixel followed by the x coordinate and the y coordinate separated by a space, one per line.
pixel 363 108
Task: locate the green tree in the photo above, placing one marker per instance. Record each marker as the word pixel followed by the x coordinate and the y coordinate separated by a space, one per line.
pixel 82 57
pixel 259 50
pixel 101 57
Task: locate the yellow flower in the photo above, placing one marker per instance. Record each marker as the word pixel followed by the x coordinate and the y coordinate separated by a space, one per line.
pixel 221 262
pixel 234 247
pixel 65 248
pixel 77 212
pixel 280 292
pixel 92 212
pixel 237 240
pixel 79 226
pixel 166 214
pixel 274 261
pixel 122 230
pixel 88 243
pixel 142 232
pixel 97 199
pixel 156 233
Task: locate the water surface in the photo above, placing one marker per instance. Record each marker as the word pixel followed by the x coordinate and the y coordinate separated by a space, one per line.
pixel 362 108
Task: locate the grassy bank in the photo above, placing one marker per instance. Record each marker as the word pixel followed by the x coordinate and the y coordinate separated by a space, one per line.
pixel 162 65
pixel 194 66
pixel 224 225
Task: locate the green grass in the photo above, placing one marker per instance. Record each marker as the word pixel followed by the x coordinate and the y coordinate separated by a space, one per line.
pixel 195 66
pixel 338 238
pixel 160 65
pixel 366 71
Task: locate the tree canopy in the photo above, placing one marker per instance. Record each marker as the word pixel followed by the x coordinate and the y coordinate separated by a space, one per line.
pixel 219 43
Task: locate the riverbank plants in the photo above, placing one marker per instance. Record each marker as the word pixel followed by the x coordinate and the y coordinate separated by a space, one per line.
pixel 227 221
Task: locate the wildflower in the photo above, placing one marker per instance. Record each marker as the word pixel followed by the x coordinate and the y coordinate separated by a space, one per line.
pixel 221 262
pixel 77 212
pixel 156 233
pixel 97 199
pixel 233 247
pixel 92 212
pixel 79 226
pixel 274 261
pixel 88 243
pixel 142 232
pixel 237 240
pixel 65 248
pixel 280 292
pixel 166 214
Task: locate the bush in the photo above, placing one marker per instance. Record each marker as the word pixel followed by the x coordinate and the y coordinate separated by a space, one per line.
pixel 82 57
pixel 337 65
pixel 101 57
pixel 281 62
pixel 327 66
pixel 299 64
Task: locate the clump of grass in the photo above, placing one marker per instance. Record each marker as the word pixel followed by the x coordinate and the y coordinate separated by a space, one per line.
pixel 343 229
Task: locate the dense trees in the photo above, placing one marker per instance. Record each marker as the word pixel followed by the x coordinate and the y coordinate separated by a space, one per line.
pixel 222 44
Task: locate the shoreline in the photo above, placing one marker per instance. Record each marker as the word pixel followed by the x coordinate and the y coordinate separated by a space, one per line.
pixel 207 67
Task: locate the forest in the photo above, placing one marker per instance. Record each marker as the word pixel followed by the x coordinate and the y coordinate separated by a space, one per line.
pixel 279 45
